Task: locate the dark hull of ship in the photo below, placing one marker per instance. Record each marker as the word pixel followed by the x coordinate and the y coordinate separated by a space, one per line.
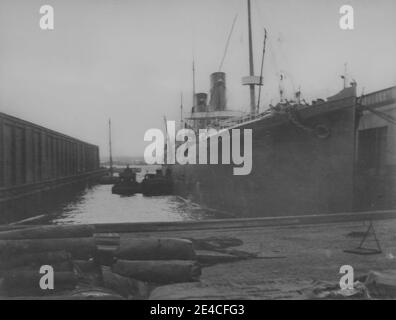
pixel 294 171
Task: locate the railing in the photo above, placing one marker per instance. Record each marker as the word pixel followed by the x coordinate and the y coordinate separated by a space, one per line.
pixel 374 99
pixel 382 97
pixel 244 119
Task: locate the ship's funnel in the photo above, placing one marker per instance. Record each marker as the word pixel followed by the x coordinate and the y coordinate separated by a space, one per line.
pixel 201 100
pixel 217 91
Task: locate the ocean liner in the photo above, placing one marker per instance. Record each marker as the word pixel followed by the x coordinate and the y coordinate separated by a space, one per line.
pixel 307 158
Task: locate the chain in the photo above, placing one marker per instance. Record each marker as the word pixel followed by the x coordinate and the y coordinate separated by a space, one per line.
pixel 293 119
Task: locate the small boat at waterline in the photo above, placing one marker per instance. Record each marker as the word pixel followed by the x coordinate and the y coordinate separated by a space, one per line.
pixel 156 184
pixel 109 179
pixel 127 184
pixel 126 188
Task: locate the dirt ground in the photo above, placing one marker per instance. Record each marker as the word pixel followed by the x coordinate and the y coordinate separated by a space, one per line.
pixel 291 260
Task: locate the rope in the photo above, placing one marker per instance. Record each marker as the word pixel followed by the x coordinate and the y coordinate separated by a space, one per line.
pixel 228 42
pixel 261 72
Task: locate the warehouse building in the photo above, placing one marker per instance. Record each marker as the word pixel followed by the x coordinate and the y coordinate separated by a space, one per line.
pixel 375 176
pixel 35 160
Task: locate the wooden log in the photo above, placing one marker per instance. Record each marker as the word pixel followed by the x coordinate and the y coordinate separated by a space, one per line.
pixel 3 293
pixel 39 258
pixel 49 232
pixel 243 223
pixel 126 287
pixel 78 248
pixel 87 294
pixel 8 227
pixel 86 266
pixel 94 293
pixel 110 239
pixel 28 220
pixel 105 255
pixel 155 249
pixel 70 297
pixel 382 285
pixel 89 273
pixel 212 257
pixel 191 291
pixel 64 266
pixel 25 282
pixel 159 271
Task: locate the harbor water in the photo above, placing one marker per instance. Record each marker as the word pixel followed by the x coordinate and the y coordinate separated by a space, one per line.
pixel 97 204
pixel 88 203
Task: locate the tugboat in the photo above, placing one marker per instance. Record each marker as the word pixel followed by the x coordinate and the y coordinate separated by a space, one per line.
pixel 109 178
pixel 127 185
pixel 156 184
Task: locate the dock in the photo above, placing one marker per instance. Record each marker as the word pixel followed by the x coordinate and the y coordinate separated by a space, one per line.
pixel 279 258
pixel 291 260
pixel 294 254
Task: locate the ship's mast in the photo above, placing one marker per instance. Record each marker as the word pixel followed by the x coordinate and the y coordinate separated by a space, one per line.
pixel 251 66
pixel 111 156
pixel 261 71
pixel 193 79
pixel 181 109
pixel 166 141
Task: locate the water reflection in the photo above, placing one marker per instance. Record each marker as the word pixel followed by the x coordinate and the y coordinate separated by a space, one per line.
pixel 98 205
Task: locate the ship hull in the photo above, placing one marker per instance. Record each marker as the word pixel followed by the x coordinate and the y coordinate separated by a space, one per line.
pixel 294 171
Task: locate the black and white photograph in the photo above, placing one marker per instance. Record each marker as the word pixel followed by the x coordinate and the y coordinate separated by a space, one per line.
pixel 210 150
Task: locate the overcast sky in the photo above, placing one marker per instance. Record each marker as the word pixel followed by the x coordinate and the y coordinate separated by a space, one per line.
pixel 131 59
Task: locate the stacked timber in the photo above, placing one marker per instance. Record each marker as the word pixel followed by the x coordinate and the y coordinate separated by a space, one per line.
pixel 89 265
pixel 138 265
pixel 23 253
pixel 163 260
